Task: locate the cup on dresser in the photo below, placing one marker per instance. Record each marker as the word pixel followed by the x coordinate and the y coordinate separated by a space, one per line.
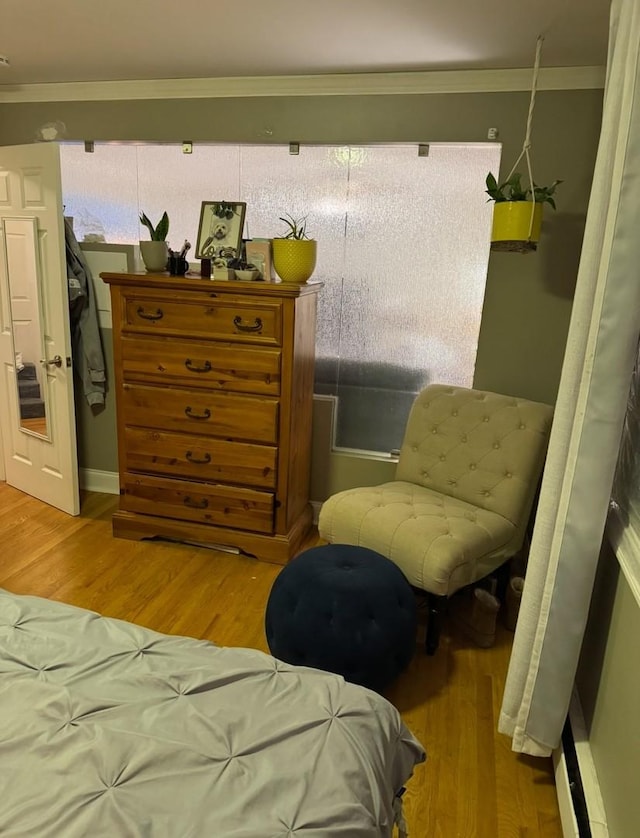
pixel 178 265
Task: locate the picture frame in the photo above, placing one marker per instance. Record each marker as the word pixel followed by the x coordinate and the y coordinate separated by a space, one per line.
pixel 220 230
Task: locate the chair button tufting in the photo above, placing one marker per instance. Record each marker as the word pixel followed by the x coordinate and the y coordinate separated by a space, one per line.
pixel 414 447
pixel 442 458
pixel 485 418
pixel 463 438
pixel 454 412
pixel 472 466
pixel 486 494
pixel 508 474
pixel 496 445
pixel 434 430
pixel 522 426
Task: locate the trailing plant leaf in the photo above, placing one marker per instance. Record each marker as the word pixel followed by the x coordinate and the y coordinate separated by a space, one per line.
pixel 297 227
pixel 160 231
pixel 543 194
pixel 493 190
pixel 513 190
pixel 223 209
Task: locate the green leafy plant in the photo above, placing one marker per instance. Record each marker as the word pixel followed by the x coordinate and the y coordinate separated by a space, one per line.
pixel 160 231
pixel 297 227
pixel 513 190
pixel 223 209
pixel 241 265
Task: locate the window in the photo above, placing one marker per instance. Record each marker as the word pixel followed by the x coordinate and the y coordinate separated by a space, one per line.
pixel 403 246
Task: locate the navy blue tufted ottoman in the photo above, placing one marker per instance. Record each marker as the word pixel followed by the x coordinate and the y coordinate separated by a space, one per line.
pixel 343 609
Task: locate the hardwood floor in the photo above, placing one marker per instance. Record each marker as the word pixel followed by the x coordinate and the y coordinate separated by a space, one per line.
pixel 472 785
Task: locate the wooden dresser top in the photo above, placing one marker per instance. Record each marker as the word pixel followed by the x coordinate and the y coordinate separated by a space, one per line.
pixel 194 282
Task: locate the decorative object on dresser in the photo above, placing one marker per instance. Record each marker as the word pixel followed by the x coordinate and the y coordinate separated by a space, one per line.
pixel 214 393
pixel 258 252
pixel 155 253
pixel 220 229
pixel 294 255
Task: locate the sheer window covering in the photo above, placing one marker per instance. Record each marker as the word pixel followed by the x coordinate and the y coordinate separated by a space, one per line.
pixel 403 244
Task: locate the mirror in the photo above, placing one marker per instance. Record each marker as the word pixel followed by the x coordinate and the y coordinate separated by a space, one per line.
pixel 25 300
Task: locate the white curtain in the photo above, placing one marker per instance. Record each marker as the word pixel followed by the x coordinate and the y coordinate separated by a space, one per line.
pixel 592 399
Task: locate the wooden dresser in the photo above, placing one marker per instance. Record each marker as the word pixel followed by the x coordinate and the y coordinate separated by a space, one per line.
pixel 214 392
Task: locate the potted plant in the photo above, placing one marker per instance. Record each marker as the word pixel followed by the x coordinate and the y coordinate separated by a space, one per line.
pixel 517 215
pixel 155 253
pixel 244 271
pixel 294 254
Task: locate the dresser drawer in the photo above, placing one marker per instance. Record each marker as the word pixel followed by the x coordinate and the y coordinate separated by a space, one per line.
pixel 224 506
pixel 248 322
pixel 201 412
pixel 217 366
pixel 200 457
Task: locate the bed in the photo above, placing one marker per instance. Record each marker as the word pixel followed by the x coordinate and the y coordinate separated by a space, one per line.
pixel 111 729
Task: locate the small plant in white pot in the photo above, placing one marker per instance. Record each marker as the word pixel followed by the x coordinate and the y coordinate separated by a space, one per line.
pixel 155 253
pixel 294 254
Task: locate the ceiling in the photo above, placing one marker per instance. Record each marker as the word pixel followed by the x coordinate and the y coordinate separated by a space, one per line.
pixel 77 40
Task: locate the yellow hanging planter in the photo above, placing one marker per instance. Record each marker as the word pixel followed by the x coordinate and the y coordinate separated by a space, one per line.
pixel 513 228
pixel 516 219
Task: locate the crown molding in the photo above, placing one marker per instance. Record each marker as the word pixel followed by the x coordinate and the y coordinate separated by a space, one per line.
pixel 347 84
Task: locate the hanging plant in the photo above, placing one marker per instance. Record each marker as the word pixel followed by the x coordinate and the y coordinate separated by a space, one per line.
pixel 513 190
pixel 517 214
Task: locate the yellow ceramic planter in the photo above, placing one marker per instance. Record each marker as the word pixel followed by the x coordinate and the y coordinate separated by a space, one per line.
pixel 512 219
pixel 294 260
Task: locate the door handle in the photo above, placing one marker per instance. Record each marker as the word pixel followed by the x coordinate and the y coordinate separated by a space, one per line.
pixel 56 361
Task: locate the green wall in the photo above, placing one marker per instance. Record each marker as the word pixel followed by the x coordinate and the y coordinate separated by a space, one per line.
pixel 96 426
pixel 528 298
pixel 608 683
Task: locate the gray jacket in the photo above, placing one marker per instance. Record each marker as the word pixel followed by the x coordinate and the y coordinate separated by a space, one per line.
pixel 88 357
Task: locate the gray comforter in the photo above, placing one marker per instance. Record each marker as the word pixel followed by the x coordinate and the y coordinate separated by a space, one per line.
pixel 109 729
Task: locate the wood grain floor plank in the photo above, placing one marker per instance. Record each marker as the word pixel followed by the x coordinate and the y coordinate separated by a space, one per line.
pixel 472 786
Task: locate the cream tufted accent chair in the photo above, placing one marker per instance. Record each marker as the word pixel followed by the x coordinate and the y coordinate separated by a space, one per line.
pixel 467 475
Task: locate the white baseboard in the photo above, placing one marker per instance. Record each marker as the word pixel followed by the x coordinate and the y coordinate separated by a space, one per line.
pixel 588 777
pixel 94 480
pixel 563 792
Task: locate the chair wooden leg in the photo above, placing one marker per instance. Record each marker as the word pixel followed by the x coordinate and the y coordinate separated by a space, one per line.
pixel 502 575
pixel 436 606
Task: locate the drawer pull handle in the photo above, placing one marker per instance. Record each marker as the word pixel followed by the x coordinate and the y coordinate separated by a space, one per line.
pixel 203 462
pixel 193 368
pixel 244 327
pixel 196 504
pixel 192 415
pixel 143 314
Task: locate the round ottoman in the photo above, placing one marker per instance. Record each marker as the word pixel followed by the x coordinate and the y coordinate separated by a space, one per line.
pixel 344 609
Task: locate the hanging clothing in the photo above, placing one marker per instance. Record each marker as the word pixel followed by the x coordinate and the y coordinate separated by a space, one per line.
pixel 88 357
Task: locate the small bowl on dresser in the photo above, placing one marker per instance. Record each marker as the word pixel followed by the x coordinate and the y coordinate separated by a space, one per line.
pixel 248 275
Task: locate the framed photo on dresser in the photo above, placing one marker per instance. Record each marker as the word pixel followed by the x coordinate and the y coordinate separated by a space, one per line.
pixel 220 229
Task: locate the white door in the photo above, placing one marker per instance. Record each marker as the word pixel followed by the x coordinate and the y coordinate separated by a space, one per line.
pixel 37 411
